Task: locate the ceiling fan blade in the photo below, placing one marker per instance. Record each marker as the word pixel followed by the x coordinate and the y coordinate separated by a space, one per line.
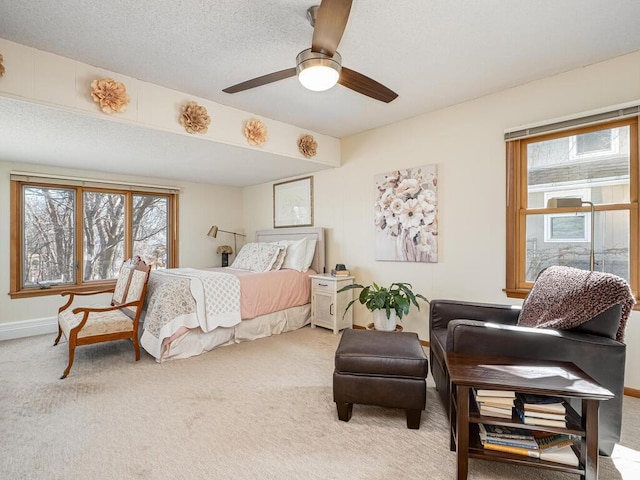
pixel 331 20
pixel 263 80
pixel 366 86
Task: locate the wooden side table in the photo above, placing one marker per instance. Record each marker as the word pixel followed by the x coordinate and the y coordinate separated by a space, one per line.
pixel 561 379
pixel 327 305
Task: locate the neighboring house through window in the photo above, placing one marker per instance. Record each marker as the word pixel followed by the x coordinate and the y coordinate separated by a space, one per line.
pixel 596 163
pixel 567 227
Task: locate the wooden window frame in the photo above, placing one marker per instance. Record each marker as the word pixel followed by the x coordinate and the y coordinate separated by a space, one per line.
pixel 16 235
pixel 517 208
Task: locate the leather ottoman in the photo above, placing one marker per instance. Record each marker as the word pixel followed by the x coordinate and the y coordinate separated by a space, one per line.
pixel 387 369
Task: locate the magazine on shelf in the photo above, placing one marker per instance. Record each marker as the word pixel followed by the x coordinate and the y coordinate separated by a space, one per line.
pixel 564 455
pixel 557 441
pixel 530 444
pixel 515 450
pixel 501 431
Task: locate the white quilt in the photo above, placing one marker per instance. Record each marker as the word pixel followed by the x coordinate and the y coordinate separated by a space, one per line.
pixel 217 304
pixel 217 297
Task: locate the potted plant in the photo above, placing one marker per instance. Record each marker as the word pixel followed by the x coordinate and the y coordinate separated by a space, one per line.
pixel 388 304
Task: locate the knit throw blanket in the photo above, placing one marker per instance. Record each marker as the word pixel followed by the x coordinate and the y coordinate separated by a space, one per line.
pixel 565 297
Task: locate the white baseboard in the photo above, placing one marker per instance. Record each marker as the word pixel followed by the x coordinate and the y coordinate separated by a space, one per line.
pixel 28 328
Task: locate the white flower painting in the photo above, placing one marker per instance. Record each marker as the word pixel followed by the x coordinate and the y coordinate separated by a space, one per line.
pixel 406 209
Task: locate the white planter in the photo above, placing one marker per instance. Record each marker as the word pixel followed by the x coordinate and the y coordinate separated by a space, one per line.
pixel 381 322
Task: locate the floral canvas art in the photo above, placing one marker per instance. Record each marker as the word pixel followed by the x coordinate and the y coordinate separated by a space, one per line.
pixel 406 208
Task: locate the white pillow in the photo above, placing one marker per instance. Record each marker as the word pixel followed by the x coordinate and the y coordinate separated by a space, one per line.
pixel 257 257
pixel 311 250
pixel 296 254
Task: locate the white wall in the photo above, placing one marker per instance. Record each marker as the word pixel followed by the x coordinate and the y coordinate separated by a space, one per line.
pixel 466 142
pixel 200 206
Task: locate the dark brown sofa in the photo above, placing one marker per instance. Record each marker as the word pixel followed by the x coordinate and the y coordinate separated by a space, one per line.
pixel 489 329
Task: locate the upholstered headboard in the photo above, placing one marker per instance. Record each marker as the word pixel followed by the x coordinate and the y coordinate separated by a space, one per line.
pixel 296 233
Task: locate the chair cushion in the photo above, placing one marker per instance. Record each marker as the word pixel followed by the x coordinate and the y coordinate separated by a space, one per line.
pixel 97 323
pixel 121 284
pixel 604 325
pixel 134 293
pixel 368 352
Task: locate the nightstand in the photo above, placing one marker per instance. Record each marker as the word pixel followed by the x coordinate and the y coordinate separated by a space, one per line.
pixel 327 305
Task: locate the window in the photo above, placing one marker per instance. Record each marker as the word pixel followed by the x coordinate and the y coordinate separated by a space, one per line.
pixel 593 144
pixel 597 164
pixel 567 227
pixel 67 237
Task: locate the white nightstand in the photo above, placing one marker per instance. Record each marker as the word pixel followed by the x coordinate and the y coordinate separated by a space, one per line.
pixel 327 305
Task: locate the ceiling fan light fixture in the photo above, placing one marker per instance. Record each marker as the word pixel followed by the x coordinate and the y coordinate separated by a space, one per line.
pixel 317 71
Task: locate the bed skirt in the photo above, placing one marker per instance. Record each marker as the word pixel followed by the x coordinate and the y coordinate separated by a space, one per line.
pixel 195 341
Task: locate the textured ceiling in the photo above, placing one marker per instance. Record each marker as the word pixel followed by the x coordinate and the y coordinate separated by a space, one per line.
pixel 433 53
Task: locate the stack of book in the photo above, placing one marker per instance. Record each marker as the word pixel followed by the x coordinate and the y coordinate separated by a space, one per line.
pixel 541 410
pixel 552 447
pixel 495 403
pixel 507 439
pixel 340 273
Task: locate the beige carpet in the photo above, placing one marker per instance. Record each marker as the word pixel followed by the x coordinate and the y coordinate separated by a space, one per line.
pixel 257 410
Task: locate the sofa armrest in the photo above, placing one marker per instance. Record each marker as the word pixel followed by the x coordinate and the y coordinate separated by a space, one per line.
pixel 441 312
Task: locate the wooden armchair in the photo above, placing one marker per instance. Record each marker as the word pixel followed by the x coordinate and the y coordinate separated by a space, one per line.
pixel 118 321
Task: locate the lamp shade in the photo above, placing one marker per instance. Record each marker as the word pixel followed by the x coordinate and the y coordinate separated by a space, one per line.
pixel 224 249
pixel 213 231
pixel 565 202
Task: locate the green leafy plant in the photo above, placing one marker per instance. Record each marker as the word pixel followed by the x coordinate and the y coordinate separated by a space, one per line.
pixel 398 297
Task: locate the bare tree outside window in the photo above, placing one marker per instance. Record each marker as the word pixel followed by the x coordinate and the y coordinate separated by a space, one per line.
pixel 48 253
pixel 150 229
pixel 51 218
pixel 104 221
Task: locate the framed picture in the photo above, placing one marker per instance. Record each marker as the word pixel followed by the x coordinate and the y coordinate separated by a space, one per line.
pixel 405 215
pixel 293 203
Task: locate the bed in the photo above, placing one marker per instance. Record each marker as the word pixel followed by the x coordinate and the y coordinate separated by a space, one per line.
pixel 192 311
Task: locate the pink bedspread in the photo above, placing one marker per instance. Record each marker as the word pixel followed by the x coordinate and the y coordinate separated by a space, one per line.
pixel 268 292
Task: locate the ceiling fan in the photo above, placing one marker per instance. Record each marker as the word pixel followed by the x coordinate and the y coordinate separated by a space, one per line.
pixel 320 67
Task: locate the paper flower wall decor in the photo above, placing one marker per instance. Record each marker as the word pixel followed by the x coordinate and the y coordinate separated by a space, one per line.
pixel 111 95
pixel 307 146
pixel 194 118
pixel 256 132
pixel 1 66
